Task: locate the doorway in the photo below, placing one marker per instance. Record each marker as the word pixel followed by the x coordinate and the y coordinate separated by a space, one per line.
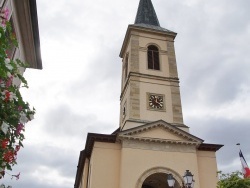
pixel 158 180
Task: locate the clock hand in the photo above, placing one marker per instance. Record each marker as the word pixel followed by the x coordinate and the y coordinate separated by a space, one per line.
pixel 157 101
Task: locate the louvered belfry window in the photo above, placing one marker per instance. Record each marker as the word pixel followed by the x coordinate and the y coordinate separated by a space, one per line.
pixel 153 58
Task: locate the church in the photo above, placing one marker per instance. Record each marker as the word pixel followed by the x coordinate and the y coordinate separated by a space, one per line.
pixel 152 148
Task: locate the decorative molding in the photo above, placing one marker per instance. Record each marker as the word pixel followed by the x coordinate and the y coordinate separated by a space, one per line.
pixel 159 145
pixel 189 138
pixel 171 80
pixel 155 170
pixel 144 49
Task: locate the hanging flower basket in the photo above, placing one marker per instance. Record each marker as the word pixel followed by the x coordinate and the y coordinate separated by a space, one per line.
pixel 14 112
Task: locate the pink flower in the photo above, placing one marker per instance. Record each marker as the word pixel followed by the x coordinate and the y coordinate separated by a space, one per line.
pixel 19 108
pixel 17 148
pixel 9 81
pixel 4 15
pixel 20 127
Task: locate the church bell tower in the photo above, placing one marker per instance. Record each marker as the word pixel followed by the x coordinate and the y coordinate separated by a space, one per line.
pixel 150 84
pixel 151 144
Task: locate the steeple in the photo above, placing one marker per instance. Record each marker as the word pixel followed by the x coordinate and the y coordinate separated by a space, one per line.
pixel 150 84
pixel 146 14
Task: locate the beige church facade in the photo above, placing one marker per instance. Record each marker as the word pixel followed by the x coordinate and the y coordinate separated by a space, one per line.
pixel 152 142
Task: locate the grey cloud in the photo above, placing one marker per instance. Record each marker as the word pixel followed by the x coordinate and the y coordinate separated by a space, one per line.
pixel 31 159
pixel 62 121
pixel 223 131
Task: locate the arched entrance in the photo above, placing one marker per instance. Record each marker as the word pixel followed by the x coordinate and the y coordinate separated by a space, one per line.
pixel 157 178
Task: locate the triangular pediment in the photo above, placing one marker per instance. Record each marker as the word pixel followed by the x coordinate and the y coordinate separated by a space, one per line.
pixel 160 131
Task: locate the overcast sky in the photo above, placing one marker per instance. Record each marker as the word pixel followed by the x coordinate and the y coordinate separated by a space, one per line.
pixel 78 90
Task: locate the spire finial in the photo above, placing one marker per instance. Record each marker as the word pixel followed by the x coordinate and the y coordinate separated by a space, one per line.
pixel 146 14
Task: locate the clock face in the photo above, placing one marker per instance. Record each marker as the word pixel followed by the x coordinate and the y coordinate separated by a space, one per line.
pixel 156 101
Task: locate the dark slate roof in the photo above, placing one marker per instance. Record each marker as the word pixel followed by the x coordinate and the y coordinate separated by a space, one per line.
pixel 146 14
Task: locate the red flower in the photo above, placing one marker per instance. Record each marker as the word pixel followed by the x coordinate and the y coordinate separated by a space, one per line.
pixel 4 143
pixel 9 156
pixel 7 96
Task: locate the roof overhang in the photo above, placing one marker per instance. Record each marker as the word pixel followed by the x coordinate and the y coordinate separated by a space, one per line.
pixel 209 147
pixel 26 11
pixel 86 153
pixel 80 167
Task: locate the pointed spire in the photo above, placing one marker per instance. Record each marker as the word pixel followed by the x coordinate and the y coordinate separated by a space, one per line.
pixel 146 14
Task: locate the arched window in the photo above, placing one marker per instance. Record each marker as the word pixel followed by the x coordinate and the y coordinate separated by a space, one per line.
pixel 153 58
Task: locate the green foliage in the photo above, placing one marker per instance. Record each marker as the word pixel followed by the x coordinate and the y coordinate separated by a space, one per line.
pixel 233 180
pixel 14 112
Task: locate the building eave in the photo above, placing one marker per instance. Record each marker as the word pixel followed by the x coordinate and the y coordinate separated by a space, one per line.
pixel 86 153
pixel 27 15
pixel 80 167
pixel 36 36
pixel 209 147
pixel 93 137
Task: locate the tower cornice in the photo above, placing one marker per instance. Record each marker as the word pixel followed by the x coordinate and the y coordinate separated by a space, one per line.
pixel 148 76
pixel 146 29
